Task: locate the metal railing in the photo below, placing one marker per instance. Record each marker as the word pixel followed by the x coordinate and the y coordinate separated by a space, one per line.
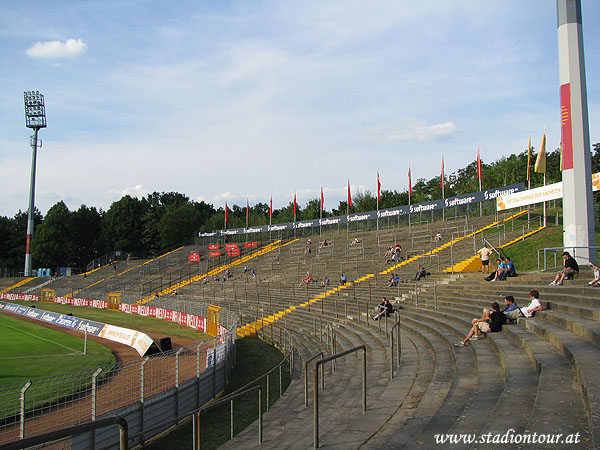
pixel 554 251
pixel 74 431
pixel 316 366
pixel 396 328
pixel 197 441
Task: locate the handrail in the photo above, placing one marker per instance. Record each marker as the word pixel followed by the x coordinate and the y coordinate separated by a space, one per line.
pixel 229 398
pixel 73 431
pixel 396 327
pixel 322 361
pixel 306 363
pixel 564 248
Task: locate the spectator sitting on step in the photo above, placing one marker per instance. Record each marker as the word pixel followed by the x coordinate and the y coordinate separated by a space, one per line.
pixel 355 241
pixel 511 310
pixel 494 274
pixel 510 268
pixel 325 282
pixel 438 237
pixel 174 293
pixel 245 269
pixel 228 273
pixel 253 275
pixel 324 243
pixel 568 271
pixel 421 273
pixel 398 252
pixel 216 279
pixel 343 279
pixel 205 280
pixel 309 241
pixel 533 306
pixel 307 250
pixel 307 279
pixel 596 279
pixel 388 253
pixel 385 309
pixel 392 281
pixel 489 322
pixel 501 271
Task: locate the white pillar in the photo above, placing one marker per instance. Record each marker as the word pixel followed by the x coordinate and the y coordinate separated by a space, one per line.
pixel 578 211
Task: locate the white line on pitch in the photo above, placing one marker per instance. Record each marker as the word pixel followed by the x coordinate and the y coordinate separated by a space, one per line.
pixel 39 337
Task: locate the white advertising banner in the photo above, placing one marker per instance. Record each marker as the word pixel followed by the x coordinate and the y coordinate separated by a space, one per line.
pixel 523 198
pixel 538 195
pixel 139 341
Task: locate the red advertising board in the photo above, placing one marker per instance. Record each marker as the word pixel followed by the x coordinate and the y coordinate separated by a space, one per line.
pixel 233 252
pixel 214 254
pixel 213 246
pixel 251 244
pixel 194 257
pixel 229 247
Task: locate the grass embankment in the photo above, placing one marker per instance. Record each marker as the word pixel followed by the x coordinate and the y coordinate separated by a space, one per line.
pixel 524 253
pixel 253 358
pixel 133 321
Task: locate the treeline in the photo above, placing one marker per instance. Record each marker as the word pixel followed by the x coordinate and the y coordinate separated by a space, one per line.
pixel 162 221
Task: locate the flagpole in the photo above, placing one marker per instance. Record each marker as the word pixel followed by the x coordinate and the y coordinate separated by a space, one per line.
pixel 321 211
pixel 479 176
pixel 378 194
pixel 443 192
pixel 545 170
pixel 528 178
pixel 409 196
pixel 544 202
pixel 348 211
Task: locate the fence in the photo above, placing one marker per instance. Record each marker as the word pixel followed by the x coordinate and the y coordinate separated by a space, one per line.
pixel 144 391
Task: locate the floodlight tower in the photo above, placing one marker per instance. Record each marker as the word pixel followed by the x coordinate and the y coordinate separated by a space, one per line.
pixel 35 117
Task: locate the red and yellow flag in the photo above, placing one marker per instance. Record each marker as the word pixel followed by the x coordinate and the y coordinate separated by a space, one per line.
pixel 540 162
pixel 529 159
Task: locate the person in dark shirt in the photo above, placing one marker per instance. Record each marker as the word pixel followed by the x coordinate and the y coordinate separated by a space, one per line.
pixel 487 323
pixel 569 270
pixel 497 318
pixel 385 309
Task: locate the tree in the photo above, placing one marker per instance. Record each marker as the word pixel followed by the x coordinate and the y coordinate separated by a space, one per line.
pixel 86 235
pixel 177 226
pixel 122 226
pixel 52 244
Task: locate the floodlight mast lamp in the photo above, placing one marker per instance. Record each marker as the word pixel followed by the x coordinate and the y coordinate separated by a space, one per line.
pixel 35 117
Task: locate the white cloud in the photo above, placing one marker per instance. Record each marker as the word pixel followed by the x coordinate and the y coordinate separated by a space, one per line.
pixel 413 131
pixel 57 49
pixel 138 191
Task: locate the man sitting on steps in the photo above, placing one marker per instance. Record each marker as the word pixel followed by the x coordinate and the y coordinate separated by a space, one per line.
pixel 421 273
pixel 568 271
pixel 533 306
pixel 489 322
pixel 511 311
pixel 385 308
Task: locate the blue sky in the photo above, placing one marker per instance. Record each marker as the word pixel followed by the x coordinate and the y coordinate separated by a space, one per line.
pixel 227 100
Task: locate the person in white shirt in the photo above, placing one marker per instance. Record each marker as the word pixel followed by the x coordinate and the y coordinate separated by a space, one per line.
pixel 484 253
pixel 533 306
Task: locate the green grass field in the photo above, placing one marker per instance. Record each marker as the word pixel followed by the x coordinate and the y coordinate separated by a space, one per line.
pixel 29 350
